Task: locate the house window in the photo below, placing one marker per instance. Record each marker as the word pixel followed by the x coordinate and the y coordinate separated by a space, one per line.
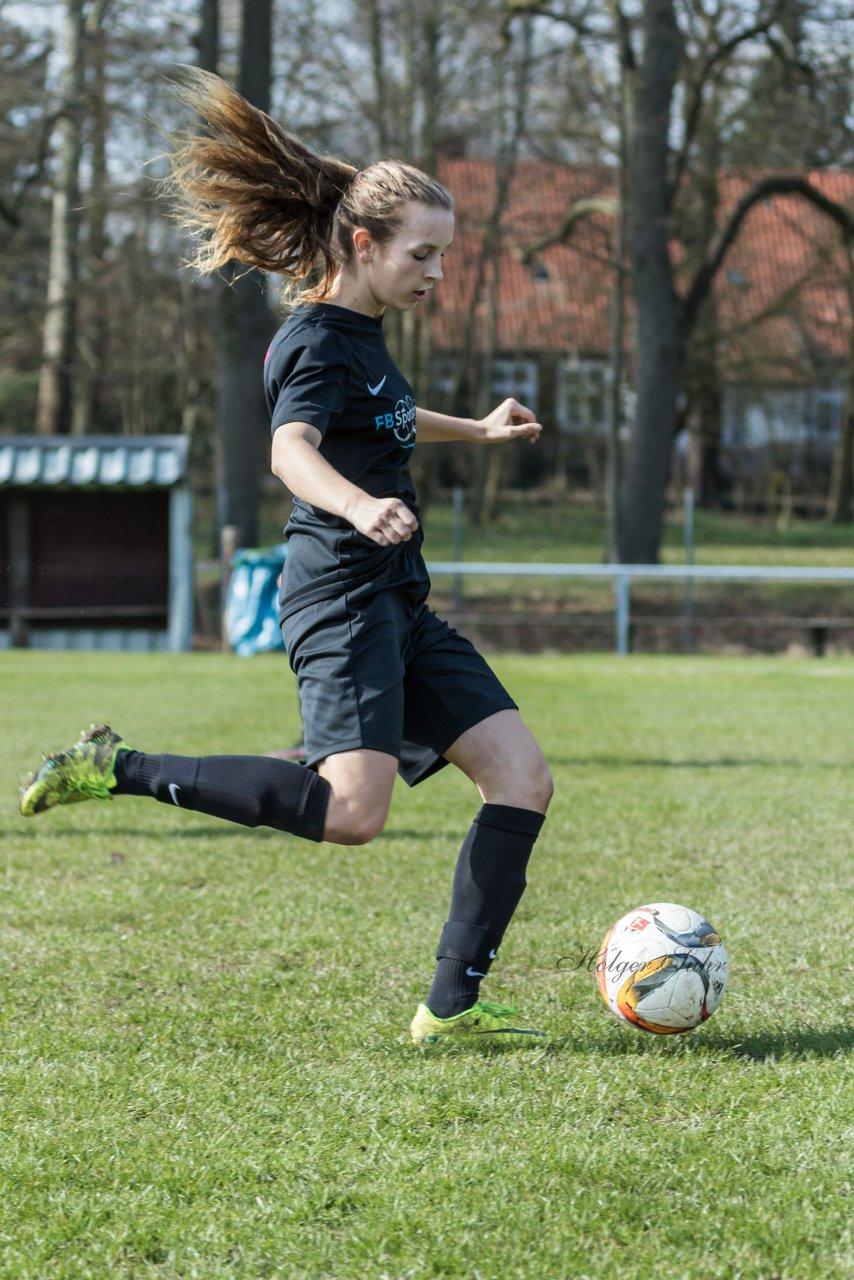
pixel 582 396
pixel 760 417
pixel 443 372
pixel 517 378
pixel 734 424
pixel 826 409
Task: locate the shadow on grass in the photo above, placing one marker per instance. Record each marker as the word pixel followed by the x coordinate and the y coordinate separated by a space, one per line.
pixel 137 833
pixel 406 833
pixel 803 1043
pixel 727 762
pixel 808 1042
pixel 219 832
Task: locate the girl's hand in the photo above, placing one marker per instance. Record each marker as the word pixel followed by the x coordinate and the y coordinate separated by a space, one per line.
pixel 510 421
pixel 386 521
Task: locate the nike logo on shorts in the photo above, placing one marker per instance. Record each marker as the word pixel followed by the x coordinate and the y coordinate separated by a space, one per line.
pixel 378 388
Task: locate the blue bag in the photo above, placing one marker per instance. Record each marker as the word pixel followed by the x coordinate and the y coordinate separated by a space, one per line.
pixel 252 601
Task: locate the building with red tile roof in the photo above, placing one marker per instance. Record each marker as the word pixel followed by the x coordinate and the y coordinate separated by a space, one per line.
pixel 788 264
pixel 782 313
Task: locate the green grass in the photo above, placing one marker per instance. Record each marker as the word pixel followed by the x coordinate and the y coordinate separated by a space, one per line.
pixel 204 1061
pixel 530 528
pixel 573 531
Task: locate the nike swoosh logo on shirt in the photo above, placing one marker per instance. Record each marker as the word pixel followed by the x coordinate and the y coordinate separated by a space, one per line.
pixel 378 388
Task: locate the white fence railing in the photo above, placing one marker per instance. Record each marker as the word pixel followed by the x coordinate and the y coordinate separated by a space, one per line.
pixel 624 574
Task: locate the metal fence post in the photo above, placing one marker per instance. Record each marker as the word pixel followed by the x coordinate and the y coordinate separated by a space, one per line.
pixel 457 605
pixel 623 613
pixel 688 589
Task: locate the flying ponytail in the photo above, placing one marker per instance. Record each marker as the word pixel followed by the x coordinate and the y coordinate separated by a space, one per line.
pixel 248 190
pixel 253 193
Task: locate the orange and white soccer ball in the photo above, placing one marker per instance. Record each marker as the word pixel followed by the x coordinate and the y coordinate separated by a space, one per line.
pixel 662 967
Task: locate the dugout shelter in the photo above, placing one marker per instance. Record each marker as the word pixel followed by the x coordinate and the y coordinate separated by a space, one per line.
pixel 95 543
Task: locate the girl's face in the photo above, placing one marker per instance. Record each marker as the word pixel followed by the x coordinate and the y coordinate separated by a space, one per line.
pixel 401 272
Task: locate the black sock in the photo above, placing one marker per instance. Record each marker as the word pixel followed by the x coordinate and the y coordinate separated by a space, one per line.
pixel 252 790
pixel 489 880
pixel 453 989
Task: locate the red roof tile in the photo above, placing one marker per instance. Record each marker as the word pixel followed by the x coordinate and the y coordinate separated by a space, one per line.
pixel 781 297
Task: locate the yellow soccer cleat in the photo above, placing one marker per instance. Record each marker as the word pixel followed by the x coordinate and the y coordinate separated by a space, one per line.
pixel 82 772
pixel 484 1023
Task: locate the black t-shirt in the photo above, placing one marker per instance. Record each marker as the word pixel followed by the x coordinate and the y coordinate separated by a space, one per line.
pixel 330 367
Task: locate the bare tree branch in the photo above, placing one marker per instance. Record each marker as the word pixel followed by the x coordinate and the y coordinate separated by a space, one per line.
pixel 9 215
pixel 96 15
pixel 786 53
pixel 705 70
pixel 623 29
pixel 779 184
pixel 536 8
pixel 579 211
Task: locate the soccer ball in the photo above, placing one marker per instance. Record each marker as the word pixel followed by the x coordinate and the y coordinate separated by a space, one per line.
pixel 662 968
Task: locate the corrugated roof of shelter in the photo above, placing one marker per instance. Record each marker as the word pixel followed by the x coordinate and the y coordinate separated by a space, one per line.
pixel 781 298
pixel 93 461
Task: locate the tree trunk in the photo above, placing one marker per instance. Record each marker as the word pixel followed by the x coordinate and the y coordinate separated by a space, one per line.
pixel 703 379
pixel 244 326
pixel 487 477
pixel 417 341
pixel 53 410
pixel 660 344
pixel 89 409
pixel 514 86
pixel 705 433
pixel 243 334
pixel 614 461
pixel 207 38
pixel 195 413
pixel 431 83
pixel 379 73
pixel 841 503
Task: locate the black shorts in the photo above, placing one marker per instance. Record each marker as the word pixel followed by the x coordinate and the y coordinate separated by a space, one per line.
pixel 386 673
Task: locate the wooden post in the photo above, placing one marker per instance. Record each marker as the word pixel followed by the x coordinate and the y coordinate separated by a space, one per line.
pixel 19 570
pixel 229 541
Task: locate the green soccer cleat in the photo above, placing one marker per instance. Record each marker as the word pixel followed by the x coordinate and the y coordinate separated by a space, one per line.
pixel 484 1023
pixel 83 772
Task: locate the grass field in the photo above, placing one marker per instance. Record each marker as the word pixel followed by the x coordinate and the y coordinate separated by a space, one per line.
pixel 531 527
pixel 573 532
pixel 204 1061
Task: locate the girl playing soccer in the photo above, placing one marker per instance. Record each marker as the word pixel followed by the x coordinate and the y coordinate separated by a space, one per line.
pixel 385 686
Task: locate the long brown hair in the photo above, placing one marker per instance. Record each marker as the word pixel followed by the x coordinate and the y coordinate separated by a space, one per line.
pixel 255 194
